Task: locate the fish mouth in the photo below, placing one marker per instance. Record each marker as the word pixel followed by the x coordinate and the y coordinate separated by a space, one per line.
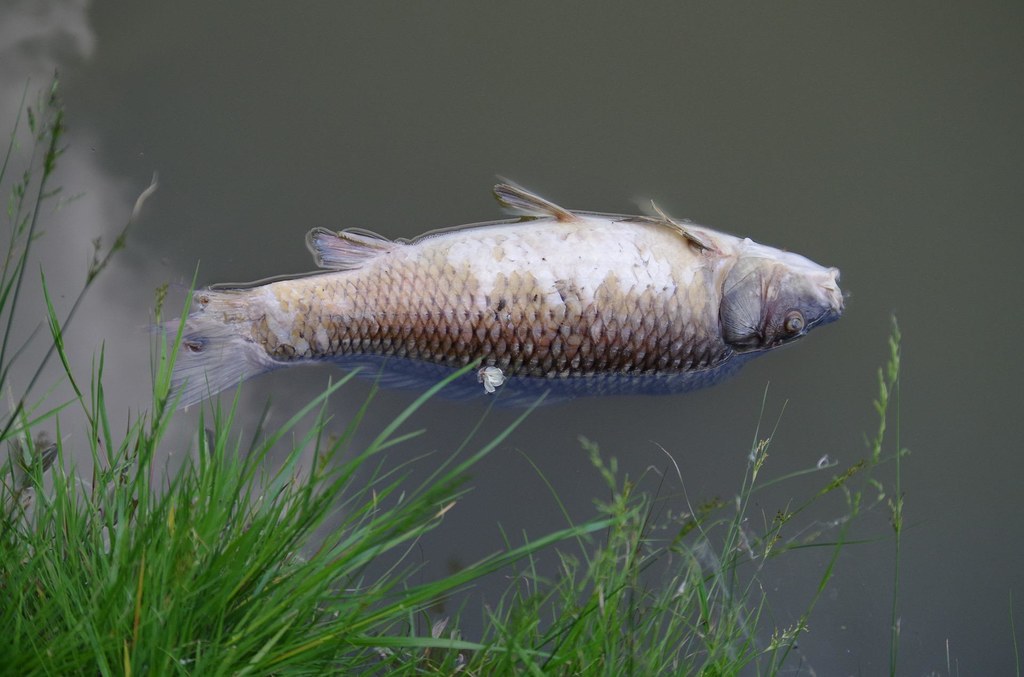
pixel 828 317
pixel 834 300
pixel 834 295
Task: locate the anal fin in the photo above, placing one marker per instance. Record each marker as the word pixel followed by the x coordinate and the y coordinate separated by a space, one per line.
pixel 348 249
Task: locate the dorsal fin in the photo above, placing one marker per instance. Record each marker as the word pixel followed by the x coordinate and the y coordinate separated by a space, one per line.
pixel 527 204
pixel 348 249
pixel 692 237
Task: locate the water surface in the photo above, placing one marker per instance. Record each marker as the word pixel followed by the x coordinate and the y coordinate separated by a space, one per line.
pixel 881 139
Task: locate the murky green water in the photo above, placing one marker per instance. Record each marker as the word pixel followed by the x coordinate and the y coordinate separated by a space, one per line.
pixel 884 140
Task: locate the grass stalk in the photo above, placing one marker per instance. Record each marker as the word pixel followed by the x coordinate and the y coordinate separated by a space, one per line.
pixel 227 566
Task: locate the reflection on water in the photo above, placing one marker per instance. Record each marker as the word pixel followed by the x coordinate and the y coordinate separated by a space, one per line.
pixel 885 143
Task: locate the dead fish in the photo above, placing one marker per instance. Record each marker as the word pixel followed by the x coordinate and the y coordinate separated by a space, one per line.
pixel 557 301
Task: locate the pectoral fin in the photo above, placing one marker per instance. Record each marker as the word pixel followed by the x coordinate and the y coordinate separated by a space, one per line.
pixel 692 237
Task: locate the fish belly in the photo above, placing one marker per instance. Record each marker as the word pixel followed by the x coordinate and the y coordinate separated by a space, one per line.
pixel 540 299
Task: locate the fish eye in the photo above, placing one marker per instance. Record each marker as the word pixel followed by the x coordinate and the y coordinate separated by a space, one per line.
pixel 794 322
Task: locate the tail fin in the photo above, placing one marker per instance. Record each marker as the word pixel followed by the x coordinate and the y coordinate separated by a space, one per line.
pixel 214 354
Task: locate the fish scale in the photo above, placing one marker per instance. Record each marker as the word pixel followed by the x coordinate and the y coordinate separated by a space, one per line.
pixel 586 302
pixel 521 330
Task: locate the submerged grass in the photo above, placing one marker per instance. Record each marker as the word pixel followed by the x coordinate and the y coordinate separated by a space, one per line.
pixel 221 567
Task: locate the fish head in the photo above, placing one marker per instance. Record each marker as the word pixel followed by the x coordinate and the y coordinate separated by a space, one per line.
pixel 771 297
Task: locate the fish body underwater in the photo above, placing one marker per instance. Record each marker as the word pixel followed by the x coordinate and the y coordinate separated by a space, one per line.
pixel 554 301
